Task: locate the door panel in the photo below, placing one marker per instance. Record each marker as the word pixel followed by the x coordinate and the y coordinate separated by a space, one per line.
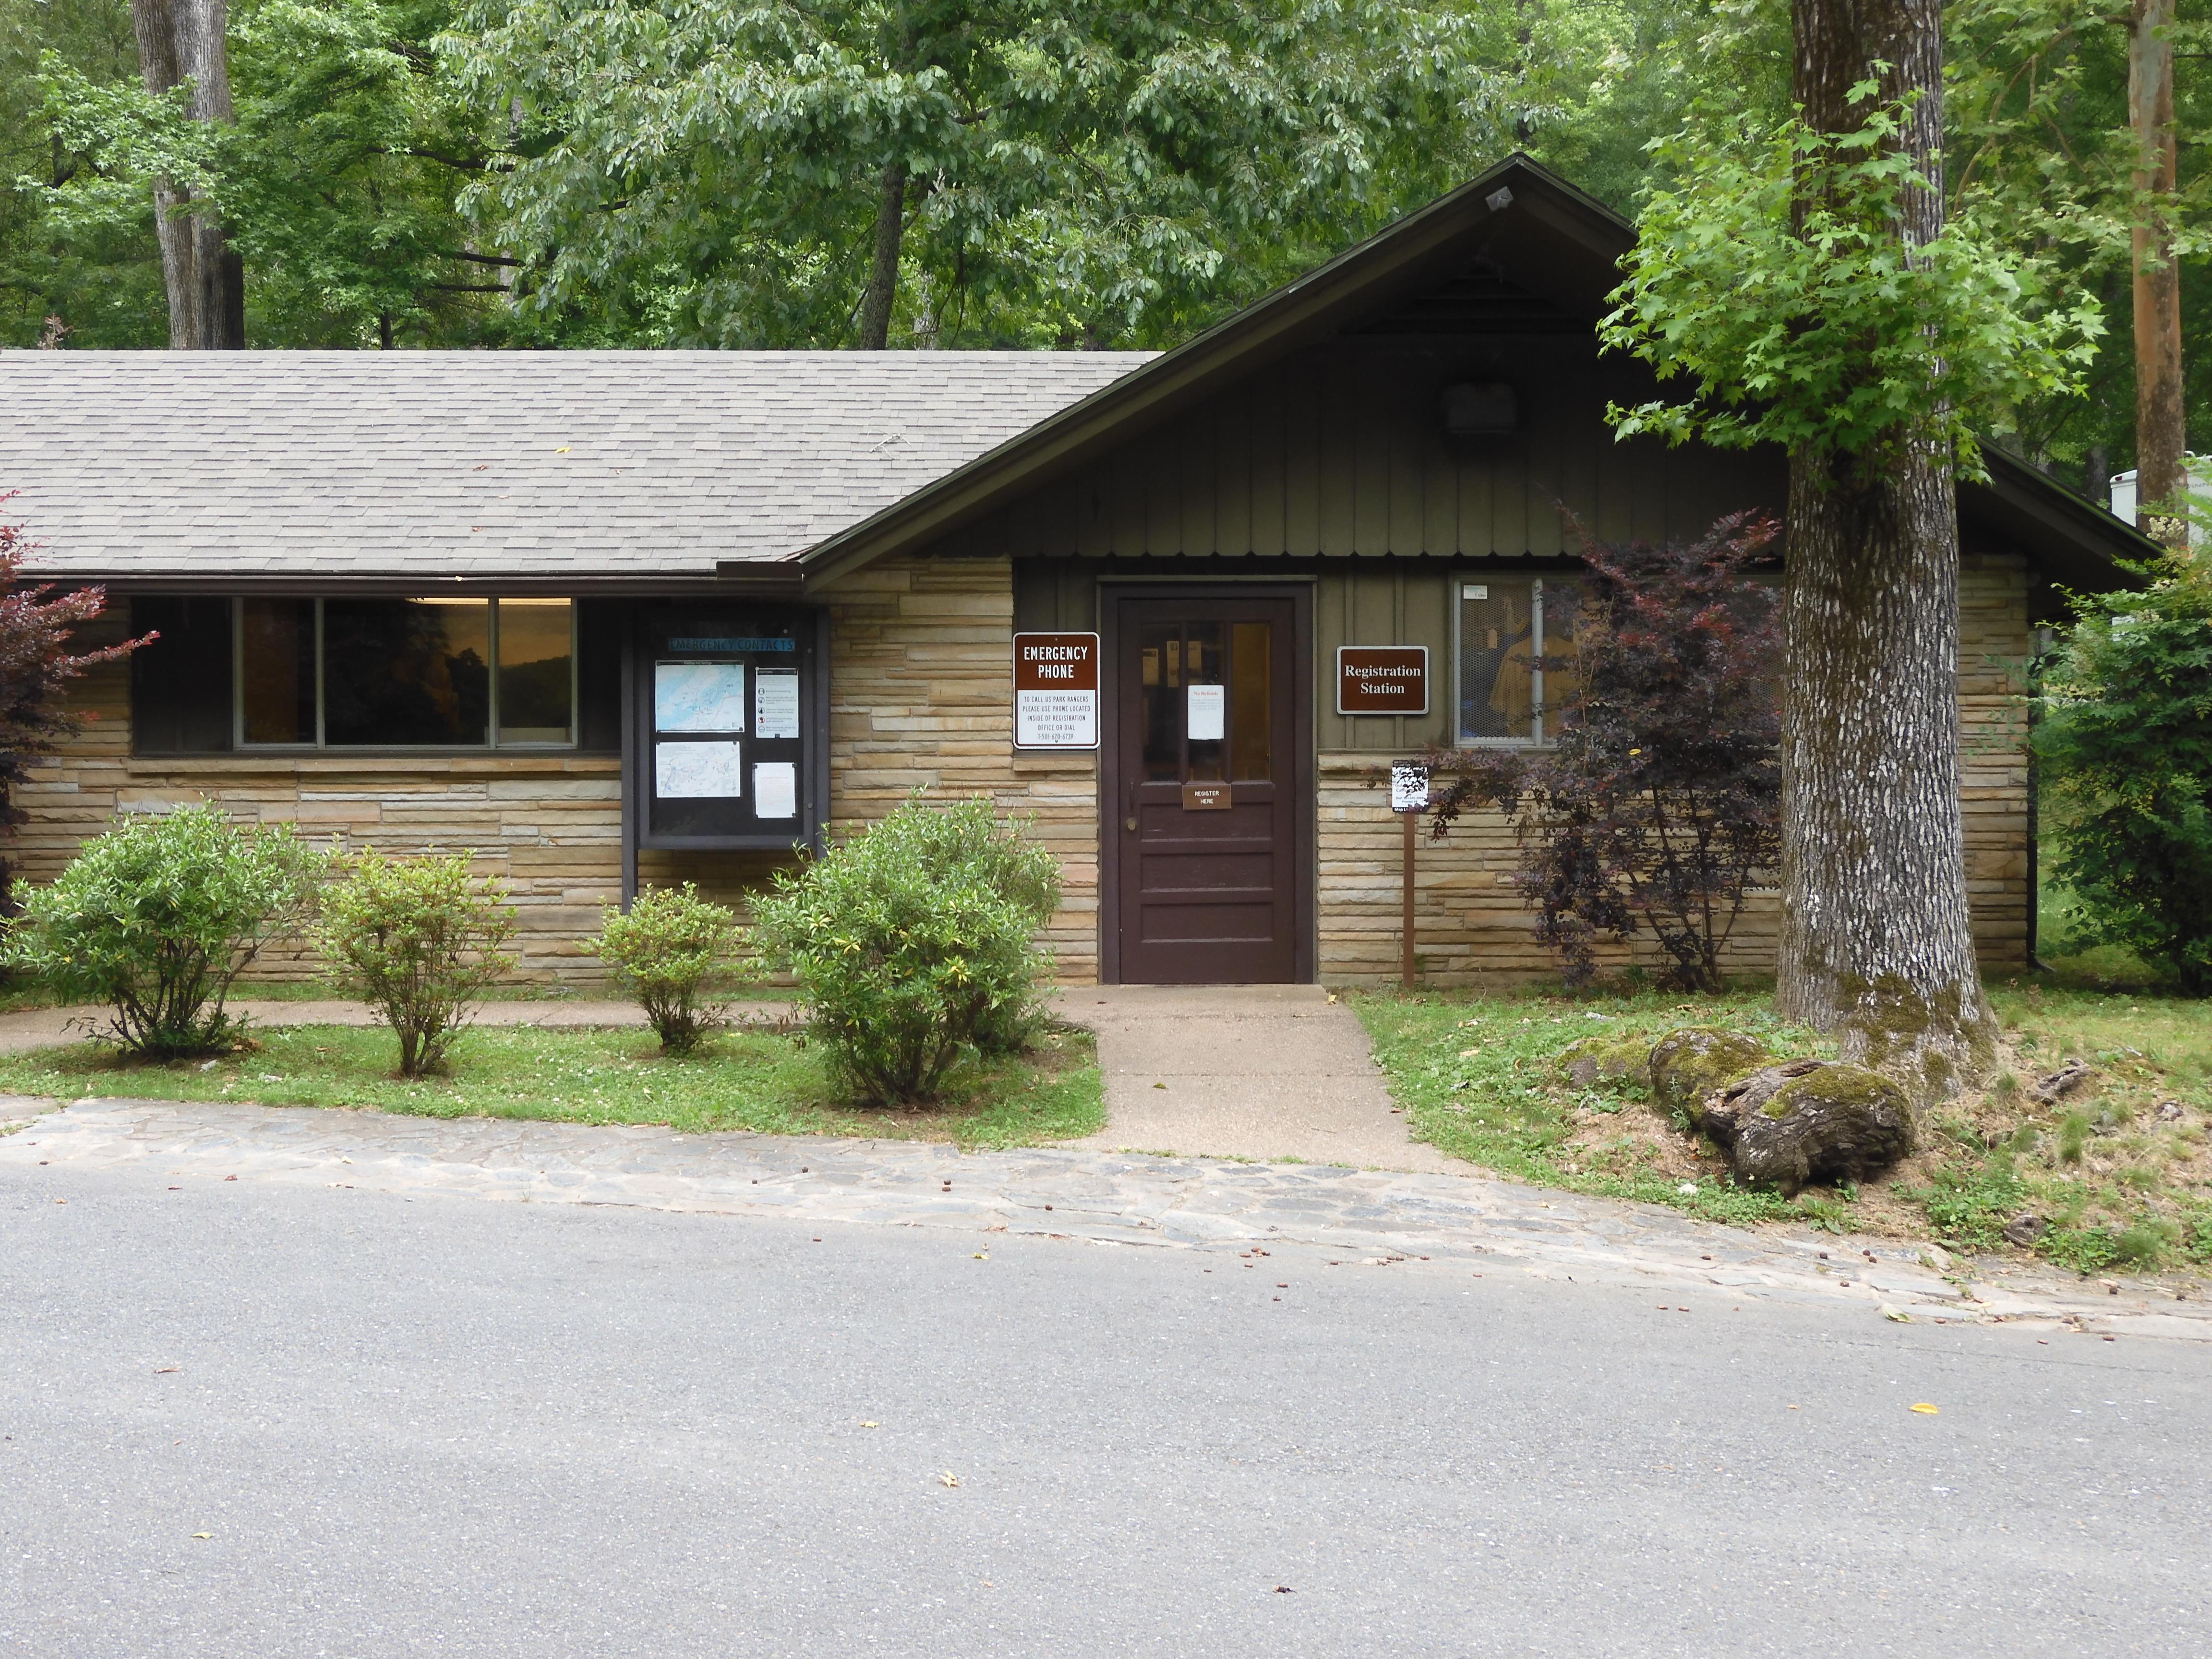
pixel 1206 895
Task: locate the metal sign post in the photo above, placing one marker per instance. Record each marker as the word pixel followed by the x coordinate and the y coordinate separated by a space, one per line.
pixel 1409 797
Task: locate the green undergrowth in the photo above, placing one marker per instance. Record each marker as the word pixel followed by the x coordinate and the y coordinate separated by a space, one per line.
pixel 1477 1078
pixel 2116 1184
pixel 736 1080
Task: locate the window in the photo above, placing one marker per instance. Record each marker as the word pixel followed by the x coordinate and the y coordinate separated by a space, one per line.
pixel 1517 650
pixel 414 673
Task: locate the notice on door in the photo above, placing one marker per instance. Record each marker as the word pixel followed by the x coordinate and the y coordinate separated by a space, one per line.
pixel 1381 679
pixel 1055 690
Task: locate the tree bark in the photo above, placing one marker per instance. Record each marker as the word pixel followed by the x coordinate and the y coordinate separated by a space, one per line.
pixel 2161 435
pixel 883 270
pixel 202 274
pixel 1877 944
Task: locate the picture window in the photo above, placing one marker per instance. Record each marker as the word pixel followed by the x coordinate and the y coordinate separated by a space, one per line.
pixel 406 673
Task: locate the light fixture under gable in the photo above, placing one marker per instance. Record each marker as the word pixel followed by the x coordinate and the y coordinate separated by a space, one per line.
pixel 1483 409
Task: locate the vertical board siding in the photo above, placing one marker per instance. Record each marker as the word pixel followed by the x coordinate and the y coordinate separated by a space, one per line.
pixel 1340 451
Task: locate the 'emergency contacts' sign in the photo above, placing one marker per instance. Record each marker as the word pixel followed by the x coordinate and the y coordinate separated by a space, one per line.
pixel 1055 690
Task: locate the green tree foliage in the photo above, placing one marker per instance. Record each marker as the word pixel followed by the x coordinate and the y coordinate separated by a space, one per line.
pixel 671 953
pixel 725 175
pixel 2125 742
pixel 915 945
pixel 1826 332
pixel 104 281
pixel 2037 143
pixel 419 940
pixel 156 918
pixel 338 184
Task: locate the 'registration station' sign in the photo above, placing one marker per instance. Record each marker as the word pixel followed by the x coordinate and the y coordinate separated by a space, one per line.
pixel 1055 690
pixel 1381 679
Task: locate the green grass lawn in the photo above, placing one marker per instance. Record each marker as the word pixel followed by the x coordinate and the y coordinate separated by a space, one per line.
pixel 2118 1184
pixel 738 1080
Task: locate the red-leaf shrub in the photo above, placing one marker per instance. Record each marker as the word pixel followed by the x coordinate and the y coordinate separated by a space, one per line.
pixel 36 665
pixel 1660 804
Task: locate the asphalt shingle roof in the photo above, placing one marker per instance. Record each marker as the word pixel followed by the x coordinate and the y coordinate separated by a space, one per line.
pixel 491 464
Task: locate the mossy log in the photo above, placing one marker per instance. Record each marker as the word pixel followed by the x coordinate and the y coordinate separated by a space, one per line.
pixel 1787 1127
pixel 1688 1065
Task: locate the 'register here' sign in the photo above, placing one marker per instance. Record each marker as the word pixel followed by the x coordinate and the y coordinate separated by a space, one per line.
pixel 1381 679
pixel 1055 690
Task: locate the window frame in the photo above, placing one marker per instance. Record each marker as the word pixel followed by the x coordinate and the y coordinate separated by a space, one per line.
pixel 1537 737
pixel 320 745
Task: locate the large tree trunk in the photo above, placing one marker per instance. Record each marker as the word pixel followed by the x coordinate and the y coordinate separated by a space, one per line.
pixel 884 268
pixel 1876 941
pixel 2161 435
pixel 201 273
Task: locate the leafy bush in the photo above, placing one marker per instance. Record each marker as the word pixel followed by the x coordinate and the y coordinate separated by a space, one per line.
pixel 1662 801
pixel 156 918
pixel 2125 741
pixel 418 940
pixel 914 943
pixel 669 953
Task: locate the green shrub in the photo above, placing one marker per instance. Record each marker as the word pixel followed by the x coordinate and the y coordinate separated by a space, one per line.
pixel 156 918
pixel 2125 742
pixel 670 953
pixel 418 940
pixel 914 943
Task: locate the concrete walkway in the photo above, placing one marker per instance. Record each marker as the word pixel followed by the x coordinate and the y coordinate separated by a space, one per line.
pixel 1244 1070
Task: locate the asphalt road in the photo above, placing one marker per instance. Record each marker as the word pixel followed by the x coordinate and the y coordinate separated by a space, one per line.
pixel 456 1427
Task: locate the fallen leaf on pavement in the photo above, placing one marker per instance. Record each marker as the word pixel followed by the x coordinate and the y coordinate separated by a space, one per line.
pixel 877 1425
pixel 202 1534
pixel 948 1479
pixel 1924 1408
pixel 1896 1314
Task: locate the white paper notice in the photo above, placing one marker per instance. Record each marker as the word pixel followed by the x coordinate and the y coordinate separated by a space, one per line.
pixel 775 709
pixel 1209 704
pixel 697 771
pixel 775 789
pixel 699 697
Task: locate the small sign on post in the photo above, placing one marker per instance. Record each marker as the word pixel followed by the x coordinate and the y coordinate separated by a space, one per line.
pixel 1055 690
pixel 1409 798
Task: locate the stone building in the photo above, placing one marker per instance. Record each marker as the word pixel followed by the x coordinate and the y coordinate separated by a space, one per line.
pixel 614 618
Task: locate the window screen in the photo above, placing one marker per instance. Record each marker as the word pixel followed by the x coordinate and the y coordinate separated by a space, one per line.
pixel 1516 658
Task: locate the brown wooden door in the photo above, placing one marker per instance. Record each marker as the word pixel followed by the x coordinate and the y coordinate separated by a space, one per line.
pixel 1207 801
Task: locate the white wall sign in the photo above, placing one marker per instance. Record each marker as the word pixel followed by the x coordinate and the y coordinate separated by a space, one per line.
pixel 1055 690
pixel 697 771
pixel 775 702
pixel 1207 713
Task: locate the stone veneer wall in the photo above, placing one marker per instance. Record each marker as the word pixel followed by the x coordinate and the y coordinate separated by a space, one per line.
pixel 922 697
pixel 1470 928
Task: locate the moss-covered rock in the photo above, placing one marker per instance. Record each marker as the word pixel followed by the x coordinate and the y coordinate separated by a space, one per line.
pixel 1591 1060
pixel 1787 1127
pixel 1688 1065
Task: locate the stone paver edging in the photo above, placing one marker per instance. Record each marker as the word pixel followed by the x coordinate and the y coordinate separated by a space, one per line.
pixel 1325 1215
